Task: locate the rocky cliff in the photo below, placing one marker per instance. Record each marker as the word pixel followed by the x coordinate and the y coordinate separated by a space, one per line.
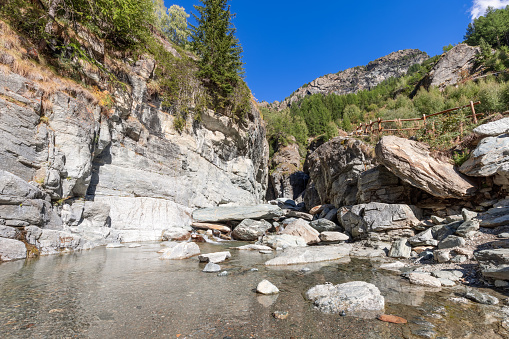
pixel 360 78
pixel 120 173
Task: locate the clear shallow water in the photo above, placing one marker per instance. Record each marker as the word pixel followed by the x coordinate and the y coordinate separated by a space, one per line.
pixel 131 293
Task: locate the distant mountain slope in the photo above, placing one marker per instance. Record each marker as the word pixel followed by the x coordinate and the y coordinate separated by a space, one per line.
pixel 359 78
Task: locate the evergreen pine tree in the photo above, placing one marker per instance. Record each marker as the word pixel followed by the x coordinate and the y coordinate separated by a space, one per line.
pixel 214 41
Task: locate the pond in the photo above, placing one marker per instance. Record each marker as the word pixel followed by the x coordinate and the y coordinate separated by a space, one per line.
pixel 131 293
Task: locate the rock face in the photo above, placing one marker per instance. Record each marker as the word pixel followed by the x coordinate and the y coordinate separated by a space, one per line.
pixel 391 220
pixel 143 176
pixel 356 297
pixel 380 185
pixel 454 66
pixel 11 249
pixel 335 167
pixel 286 179
pixel 412 162
pixel 359 78
pixel 237 213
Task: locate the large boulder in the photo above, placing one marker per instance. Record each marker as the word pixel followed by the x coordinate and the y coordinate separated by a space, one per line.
pixel 353 298
pixel 335 167
pixel 412 162
pixel 490 158
pixel 11 249
pixel 494 217
pixel 380 185
pixel 493 129
pixel 183 250
pixel 301 228
pixel 360 220
pixel 296 255
pixel 324 225
pixel 251 230
pixel 450 69
pixel 237 213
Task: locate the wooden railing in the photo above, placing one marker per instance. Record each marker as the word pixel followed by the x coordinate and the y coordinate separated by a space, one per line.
pixel 370 128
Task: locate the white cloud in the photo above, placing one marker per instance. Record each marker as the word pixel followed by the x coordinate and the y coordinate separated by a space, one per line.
pixel 480 6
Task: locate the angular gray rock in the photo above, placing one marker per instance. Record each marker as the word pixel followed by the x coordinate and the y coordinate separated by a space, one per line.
pixel 494 217
pixel 301 228
pixel 182 250
pixel 488 157
pixel 424 279
pixel 250 230
pixel 212 268
pixel 451 242
pixel 467 227
pixel 237 213
pixel 400 249
pixel 11 249
pixel 359 220
pixel 176 234
pixel 299 255
pixel 324 225
pixel 9 232
pixel 412 162
pixel 353 298
pixel 493 129
pixel 482 298
pixel 424 238
pixel 494 263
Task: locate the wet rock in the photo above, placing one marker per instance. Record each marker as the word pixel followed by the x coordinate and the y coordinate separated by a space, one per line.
pixel 183 250
pixel 212 268
pixel 395 266
pixel 412 162
pixel 251 230
pixel 266 287
pixel 400 249
pixel 333 237
pixel 214 258
pixel 134 246
pixel 359 220
pixel 294 256
pixel 237 213
pixel 424 279
pixel 301 228
pixel 481 298
pixel 222 274
pixel 282 241
pixel 11 249
pixel 324 225
pixel 354 298
pixel 391 319
pixel 267 300
pixel 176 234
pixel 451 242
pixel 253 247
pixel 467 227
pixel 115 245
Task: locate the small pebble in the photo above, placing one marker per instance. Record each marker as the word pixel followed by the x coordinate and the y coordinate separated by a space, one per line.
pixel 282 315
pixel 222 274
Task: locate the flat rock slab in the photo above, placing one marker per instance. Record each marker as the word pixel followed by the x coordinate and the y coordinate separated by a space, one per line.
pixel 493 129
pixel 253 247
pixel 424 279
pixel 333 236
pixel 283 241
pixel 301 228
pixel 179 251
pixel 295 256
pixel 412 162
pixel 352 298
pixel 236 213
pixel 214 258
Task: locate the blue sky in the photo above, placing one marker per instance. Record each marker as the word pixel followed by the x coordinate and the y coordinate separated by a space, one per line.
pixel 289 43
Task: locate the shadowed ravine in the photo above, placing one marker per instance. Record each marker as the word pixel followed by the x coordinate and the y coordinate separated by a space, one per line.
pixel 129 292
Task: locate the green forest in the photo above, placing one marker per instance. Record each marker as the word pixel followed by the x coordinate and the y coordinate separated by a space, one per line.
pixel 324 116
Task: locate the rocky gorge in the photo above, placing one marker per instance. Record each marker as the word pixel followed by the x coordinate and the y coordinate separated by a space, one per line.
pixel 76 176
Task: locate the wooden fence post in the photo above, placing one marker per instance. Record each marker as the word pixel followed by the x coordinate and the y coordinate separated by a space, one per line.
pixel 379 125
pixel 474 117
pixel 424 120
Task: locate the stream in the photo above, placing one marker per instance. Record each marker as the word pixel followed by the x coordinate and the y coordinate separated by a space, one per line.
pixel 131 293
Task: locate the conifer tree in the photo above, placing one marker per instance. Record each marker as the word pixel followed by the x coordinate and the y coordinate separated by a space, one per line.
pixel 214 41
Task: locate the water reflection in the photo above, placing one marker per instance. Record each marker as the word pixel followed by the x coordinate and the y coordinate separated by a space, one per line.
pixel 129 292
